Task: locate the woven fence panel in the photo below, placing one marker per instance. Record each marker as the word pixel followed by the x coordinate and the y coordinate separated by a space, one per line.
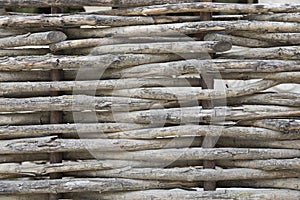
pixel 160 99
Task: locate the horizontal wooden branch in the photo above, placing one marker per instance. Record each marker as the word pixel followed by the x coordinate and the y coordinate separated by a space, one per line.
pixel 282 38
pixel 54 144
pixel 285 53
pixel 180 29
pixel 85 62
pixel 272 164
pixel 193 115
pixel 206 7
pixel 287 126
pixel 81 3
pixel 190 174
pixel 79 185
pixel 202 130
pixel 283 99
pixel 75 20
pixel 10 132
pixel 286 17
pixel 190 195
pixel 31 169
pixel 239 41
pixel 195 66
pixel 165 47
pixel 80 103
pixel 43 38
pixel 78 87
pixel 94 42
pixel 172 93
pixel 190 154
pixel 286 183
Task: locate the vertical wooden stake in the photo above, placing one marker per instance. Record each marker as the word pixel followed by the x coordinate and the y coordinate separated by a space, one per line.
pixel 207 82
pixel 56 118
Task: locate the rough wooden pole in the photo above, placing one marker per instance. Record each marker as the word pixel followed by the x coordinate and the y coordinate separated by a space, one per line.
pixel 207 82
pixel 56 118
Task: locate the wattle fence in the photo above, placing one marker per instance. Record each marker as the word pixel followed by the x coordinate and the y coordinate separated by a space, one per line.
pixel 140 101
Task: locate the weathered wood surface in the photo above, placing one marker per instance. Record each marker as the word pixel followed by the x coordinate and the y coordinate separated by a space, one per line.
pixel 29 39
pixel 79 103
pixel 282 38
pixel 239 41
pixel 285 53
pixel 283 99
pixel 79 185
pixel 183 194
pixel 81 3
pixel 24 52
pixel 190 174
pixel 189 154
pixel 53 144
pixel 286 17
pixel 172 93
pixel 202 130
pixel 287 183
pixel 196 66
pixel 272 164
pixel 206 7
pixel 24 196
pixel 75 20
pixel 178 29
pixel 159 64
pixel 230 142
pixel 14 76
pixel 24 118
pixel 76 86
pixel 194 115
pixel 76 62
pixel 10 132
pixel 32 169
pixel 94 42
pixel 165 47
pixel 287 126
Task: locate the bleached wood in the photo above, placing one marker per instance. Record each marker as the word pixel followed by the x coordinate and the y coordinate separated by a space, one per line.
pixel 288 126
pixel 76 20
pixel 282 38
pixel 78 185
pixel 190 174
pixel 189 154
pixel 183 194
pixel 205 7
pixel 196 66
pixel 194 115
pixel 284 17
pixel 287 183
pixel 194 93
pixel 76 86
pixel 43 38
pixel 94 42
pixel 81 3
pixel 165 47
pixel 272 164
pixel 180 29
pixel 239 41
pixel 53 144
pixel 76 62
pixel 285 53
pixel 10 132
